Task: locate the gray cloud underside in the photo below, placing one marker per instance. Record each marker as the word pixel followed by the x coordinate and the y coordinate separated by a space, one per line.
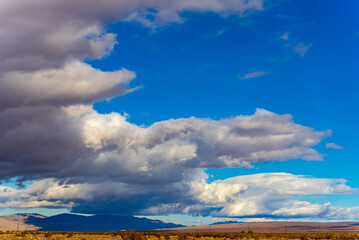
pixel 77 141
pixel 77 83
pixel 97 163
pixel 268 194
pixel 40 34
pixel 43 44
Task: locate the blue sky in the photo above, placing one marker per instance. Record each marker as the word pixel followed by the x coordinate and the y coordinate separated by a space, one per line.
pixel 210 63
pixel 192 69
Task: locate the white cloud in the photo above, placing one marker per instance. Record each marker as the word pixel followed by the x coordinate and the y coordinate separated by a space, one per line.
pixel 333 145
pixel 253 75
pixel 300 208
pixel 273 195
pixel 285 36
pixel 301 49
pixel 220 32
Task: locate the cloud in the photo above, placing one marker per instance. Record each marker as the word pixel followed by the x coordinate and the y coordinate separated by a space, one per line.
pixel 102 163
pixel 272 195
pixel 333 145
pixel 77 141
pixel 46 90
pixel 253 75
pixel 285 36
pixel 76 82
pixel 30 40
pixel 220 32
pixel 301 49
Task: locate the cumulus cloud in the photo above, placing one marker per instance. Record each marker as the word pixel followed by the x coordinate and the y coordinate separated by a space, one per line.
pixel 60 142
pixel 101 163
pixel 41 34
pixel 43 83
pixel 333 145
pixel 253 75
pixel 301 49
pixel 77 82
pixel 272 195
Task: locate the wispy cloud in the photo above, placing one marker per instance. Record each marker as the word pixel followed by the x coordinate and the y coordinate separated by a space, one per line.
pixel 220 32
pixel 299 48
pixel 285 36
pixel 302 49
pixel 215 34
pixel 333 145
pixel 253 75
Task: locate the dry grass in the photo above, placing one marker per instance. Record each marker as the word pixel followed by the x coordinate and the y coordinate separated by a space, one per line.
pixel 42 235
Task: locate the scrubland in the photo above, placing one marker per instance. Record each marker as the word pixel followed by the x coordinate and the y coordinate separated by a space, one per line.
pixel 42 235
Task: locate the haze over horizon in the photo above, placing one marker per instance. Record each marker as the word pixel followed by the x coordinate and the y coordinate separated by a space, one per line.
pixel 188 111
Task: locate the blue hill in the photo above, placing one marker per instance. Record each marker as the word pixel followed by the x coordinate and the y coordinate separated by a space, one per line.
pixel 73 222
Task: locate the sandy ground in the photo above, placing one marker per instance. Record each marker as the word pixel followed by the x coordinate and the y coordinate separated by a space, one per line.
pixel 15 222
pixel 277 227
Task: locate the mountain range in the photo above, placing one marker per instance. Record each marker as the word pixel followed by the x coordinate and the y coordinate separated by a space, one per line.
pixel 73 222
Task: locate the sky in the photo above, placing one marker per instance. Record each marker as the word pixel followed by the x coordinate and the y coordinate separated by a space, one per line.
pixel 187 111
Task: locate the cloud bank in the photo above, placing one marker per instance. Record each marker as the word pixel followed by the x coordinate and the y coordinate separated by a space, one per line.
pixel 101 163
pixel 270 195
